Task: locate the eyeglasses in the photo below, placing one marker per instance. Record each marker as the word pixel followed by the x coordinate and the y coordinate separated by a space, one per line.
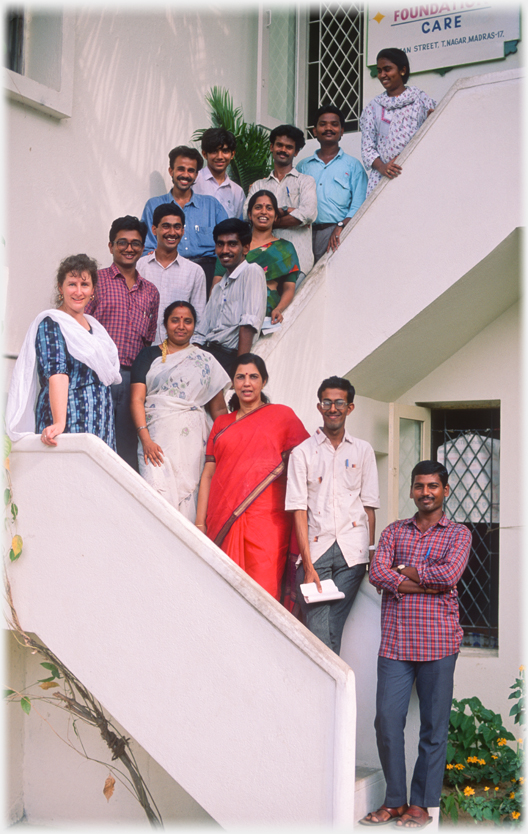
pixel 340 405
pixel 123 244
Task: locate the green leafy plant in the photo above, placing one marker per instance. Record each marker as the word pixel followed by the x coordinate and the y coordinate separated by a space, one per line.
pixel 253 159
pixel 483 772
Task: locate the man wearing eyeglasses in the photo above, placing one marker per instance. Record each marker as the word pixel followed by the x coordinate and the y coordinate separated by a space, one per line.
pixel 333 493
pixel 127 306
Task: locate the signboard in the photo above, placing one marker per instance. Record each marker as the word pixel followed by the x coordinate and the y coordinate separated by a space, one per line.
pixel 438 35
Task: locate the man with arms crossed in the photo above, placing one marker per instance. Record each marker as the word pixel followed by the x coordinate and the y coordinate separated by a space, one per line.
pixel 295 193
pixel 418 563
pixel 333 492
pixel 218 150
pixel 235 312
pixel 176 278
pixel 340 180
pixel 127 306
pixel 202 212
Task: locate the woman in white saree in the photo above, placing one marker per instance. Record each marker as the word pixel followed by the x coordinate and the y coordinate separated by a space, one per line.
pixel 176 393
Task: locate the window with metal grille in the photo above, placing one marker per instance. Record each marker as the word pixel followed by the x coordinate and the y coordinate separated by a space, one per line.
pixel 335 60
pixel 467 442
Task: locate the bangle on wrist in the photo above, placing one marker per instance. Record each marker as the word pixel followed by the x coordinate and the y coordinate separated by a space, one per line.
pixel 372 547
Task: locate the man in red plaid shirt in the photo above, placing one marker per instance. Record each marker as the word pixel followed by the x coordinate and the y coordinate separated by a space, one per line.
pixel 127 306
pixel 417 564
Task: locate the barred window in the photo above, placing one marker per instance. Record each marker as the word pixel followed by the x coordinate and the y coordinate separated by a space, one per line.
pixel 335 60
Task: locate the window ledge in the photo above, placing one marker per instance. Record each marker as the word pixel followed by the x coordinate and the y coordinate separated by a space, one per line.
pixel 469 651
pixel 57 103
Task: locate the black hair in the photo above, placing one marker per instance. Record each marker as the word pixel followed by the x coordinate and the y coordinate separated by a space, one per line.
pixel 263 193
pixel 233 225
pixel 77 264
pixel 165 210
pixel 330 108
pixel 128 223
pixel 189 153
pixel 291 132
pixel 398 57
pixel 430 467
pixel 247 359
pixel 217 137
pixel 168 310
pixel 337 382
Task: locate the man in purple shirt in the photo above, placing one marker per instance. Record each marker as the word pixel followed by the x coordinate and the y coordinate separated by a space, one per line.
pixel 127 306
pixel 417 564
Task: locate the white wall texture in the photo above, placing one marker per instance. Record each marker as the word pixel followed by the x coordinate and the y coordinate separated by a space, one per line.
pixel 139 86
pixel 250 713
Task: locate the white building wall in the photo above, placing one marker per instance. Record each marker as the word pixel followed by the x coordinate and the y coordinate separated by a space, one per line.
pixel 489 367
pixel 139 86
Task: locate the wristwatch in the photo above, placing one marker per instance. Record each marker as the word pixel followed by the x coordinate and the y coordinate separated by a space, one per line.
pixel 400 568
pixel 340 224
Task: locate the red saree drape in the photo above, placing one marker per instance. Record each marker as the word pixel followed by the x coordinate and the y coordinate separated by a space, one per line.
pixel 245 513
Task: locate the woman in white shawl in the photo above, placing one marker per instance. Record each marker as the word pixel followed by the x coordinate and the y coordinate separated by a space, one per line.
pixel 176 393
pixel 390 120
pixel 61 381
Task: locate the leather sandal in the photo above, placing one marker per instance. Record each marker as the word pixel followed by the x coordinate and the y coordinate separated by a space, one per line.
pixel 414 817
pixel 394 814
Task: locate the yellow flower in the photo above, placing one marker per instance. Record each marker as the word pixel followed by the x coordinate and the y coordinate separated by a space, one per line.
pixel 521 780
pixel 494 757
pixel 501 742
pixel 512 795
pixel 521 668
pixel 520 741
pixel 468 791
pixel 449 767
pixel 516 815
pixel 459 767
pixel 496 789
pixel 486 788
pixel 481 761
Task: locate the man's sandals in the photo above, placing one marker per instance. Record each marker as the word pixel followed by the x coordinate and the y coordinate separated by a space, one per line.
pixel 406 816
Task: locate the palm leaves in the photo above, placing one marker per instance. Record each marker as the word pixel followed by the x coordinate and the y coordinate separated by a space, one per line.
pixel 253 158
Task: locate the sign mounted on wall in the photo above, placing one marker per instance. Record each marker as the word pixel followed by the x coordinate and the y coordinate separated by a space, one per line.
pixel 442 35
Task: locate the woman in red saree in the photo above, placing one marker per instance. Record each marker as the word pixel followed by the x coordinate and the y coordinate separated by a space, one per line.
pixel 241 498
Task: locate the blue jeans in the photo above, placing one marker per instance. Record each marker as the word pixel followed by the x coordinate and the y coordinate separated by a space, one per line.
pixel 434 686
pixel 327 619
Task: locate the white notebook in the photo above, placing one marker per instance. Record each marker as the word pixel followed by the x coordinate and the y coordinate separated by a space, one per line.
pixel 330 591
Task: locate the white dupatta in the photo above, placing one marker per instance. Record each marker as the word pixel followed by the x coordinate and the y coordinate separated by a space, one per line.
pixel 95 349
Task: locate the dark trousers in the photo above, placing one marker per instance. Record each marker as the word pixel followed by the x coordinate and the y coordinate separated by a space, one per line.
pixel 327 619
pixel 208 265
pixel 321 234
pixel 223 355
pixel 434 686
pixel 126 435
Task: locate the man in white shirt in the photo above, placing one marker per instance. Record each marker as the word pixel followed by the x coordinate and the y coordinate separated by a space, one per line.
pixel 176 278
pixel 235 311
pixel 295 193
pixel 333 492
pixel 218 150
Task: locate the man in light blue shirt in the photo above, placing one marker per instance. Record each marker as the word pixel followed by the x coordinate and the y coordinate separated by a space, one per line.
pixel 341 181
pixel 202 212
